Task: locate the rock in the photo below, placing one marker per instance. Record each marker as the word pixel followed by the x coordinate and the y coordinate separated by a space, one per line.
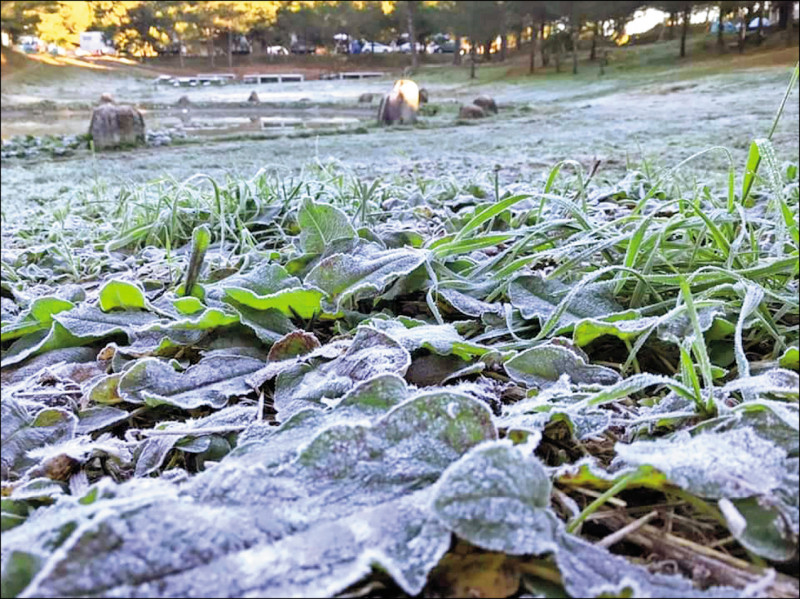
pixel 470 111
pixel 423 95
pixel 486 103
pixel 365 98
pixel 183 101
pixel 401 104
pixel 253 98
pixel 106 99
pixel 115 125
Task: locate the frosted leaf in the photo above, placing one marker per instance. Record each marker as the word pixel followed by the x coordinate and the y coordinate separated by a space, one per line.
pixel 732 464
pixel 466 304
pixel 89 321
pixel 442 339
pixel 542 366
pixel 342 276
pixel 497 498
pixel 679 329
pixel 210 382
pixel 536 297
pixel 777 381
pixel 23 429
pixel 99 417
pixel 591 571
pixel 321 225
pixel 153 450
pixel 307 383
pixel 355 496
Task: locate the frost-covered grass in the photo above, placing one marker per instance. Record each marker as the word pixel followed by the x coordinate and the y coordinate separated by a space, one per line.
pixel 316 382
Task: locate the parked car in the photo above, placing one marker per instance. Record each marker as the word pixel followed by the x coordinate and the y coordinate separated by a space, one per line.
pixel 277 51
pixel 443 48
pixel 405 48
pixel 302 48
pixel 375 48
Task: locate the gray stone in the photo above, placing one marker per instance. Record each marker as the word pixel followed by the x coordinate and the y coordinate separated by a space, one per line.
pixel 115 125
pixel 486 103
pixel 470 111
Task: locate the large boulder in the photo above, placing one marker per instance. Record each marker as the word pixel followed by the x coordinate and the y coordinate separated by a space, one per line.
pixel 470 111
pixel 401 104
pixel 423 95
pixel 365 98
pixel 253 99
pixel 116 125
pixel 184 101
pixel 488 104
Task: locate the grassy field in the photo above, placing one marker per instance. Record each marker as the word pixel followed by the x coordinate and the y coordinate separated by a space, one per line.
pixel 553 352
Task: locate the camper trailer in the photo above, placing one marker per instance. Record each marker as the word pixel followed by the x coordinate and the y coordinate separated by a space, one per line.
pixel 95 43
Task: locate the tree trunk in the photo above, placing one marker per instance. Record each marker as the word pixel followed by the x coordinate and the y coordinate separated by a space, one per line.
pixel 574 33
pixel 211 48
pixel 742 30
pixel 471 59
pixel 230 49
pixel 534 37
pixel 503 32
pixel 760 35
pixel 542 49
pixel 412 38
pixel 180 51
pixel 685 29
pixel 789 16
pixel 487 51
pixel 672 19
pixel 720 43
pixel 559 51
pixel 457 53
pixel 593 52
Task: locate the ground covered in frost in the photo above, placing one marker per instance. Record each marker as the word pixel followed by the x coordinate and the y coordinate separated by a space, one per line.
pixel 324 384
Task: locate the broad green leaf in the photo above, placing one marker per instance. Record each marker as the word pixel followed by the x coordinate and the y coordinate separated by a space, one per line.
pixel 543 365
pixel 188 305
pixel 210 382
pixel 43 341
pixel 441 339
pixel 626 326
pixel 264 279
pixel 343 276
pixel 320 225
pixel 121 294
pixel 790 359
pixel 39 316
pixel 300 301
pixel 766 531
pixel 268 325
